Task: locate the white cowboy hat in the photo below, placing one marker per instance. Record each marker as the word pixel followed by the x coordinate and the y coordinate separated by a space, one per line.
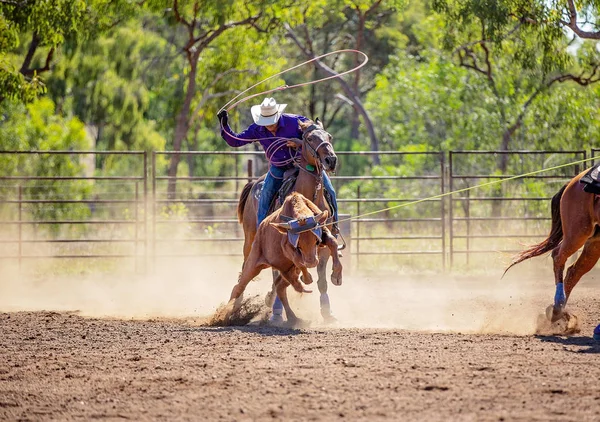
pixel 268 113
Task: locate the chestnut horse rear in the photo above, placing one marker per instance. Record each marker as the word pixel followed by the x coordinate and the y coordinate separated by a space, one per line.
pixel 575 223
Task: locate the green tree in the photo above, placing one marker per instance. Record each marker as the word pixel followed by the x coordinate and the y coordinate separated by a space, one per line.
pixel 323 26
pixel 520 49
pixel 108 83
pixel 198 26
pixel 32 32
pixel 36 127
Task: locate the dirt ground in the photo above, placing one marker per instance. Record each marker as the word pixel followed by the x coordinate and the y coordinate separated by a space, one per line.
pixel 403 350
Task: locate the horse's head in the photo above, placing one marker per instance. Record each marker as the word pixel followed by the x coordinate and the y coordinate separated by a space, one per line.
pixel 316 145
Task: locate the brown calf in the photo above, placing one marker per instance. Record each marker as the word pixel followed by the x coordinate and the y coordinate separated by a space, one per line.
pixel 288 241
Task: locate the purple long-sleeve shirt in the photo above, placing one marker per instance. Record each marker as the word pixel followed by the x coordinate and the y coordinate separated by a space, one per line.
pixel 288 127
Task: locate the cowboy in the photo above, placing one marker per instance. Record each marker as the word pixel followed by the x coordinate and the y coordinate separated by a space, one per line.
pixel 271 124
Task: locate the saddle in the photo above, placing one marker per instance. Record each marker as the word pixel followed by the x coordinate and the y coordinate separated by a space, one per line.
pixel 591 180
pixel 289 180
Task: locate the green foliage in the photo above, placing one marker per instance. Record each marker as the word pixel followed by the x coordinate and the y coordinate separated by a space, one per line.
pixel 31 31
pixel 38 128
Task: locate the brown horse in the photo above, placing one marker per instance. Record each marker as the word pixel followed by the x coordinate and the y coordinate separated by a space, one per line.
pixel 288 241
pixel 317 155
pixel 575 223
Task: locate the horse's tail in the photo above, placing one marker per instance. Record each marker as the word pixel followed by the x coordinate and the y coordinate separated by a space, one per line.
pixel 554 238
pixel 243 197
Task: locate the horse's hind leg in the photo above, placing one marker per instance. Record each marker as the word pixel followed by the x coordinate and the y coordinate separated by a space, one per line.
pixel 586 261
pixel 560 254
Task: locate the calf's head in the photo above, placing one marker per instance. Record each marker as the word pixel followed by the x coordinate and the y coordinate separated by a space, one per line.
pixel 304 235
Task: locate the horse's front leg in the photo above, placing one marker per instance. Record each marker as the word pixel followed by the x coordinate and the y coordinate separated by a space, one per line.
pixel 332 245
pixel 322 284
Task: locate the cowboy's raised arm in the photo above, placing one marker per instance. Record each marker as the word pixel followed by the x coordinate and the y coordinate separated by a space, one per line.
pixel 235 139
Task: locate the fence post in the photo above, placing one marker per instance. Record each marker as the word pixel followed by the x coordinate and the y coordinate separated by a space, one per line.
pixel 450 209
pixel 358 228
pixel 237 173
pixel 145 199
pixel 135 249
pixel 20 225
pixel 468 217
pixel 153 218
pixel 443 208
pixel 250 175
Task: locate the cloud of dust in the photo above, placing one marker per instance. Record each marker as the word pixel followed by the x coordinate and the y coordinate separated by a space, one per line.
pixel 482 303
pixel 196 287
pixel 176 288
pixel 171 287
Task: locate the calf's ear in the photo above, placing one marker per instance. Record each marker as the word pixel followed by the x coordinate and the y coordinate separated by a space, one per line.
pixel 281 227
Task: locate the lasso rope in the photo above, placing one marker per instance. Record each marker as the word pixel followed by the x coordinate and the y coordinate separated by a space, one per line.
pixel 284 87
pixel 281 142
pixel 441 195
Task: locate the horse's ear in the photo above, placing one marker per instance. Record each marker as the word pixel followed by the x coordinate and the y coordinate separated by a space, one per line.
pixel 319 122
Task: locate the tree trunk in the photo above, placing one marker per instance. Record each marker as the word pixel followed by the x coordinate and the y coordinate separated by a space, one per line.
pixel 182 126
pixel 348 90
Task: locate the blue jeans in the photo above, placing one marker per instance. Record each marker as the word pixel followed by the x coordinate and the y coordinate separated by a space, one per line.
pixel 273 182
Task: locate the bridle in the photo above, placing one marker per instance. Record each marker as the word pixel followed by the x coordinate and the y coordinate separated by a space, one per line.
pixel 313 151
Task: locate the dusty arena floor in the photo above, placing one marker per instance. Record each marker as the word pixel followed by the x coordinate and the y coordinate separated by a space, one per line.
pixel 405 359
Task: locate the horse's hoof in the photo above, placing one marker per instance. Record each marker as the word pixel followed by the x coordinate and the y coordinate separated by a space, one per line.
pixel 329 319
pixel 336 281
pixel 308 279
pixel 563 323
pixel 554 314
pixel 276 319
pixel 297 323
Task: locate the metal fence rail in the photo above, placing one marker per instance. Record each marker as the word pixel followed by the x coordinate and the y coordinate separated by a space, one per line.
pixel 46 212
pixel 71 210
pixel 472 234
pixel 361 234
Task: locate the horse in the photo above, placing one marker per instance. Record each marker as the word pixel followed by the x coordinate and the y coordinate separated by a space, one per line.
pixel 575 210
pixel 288 241
pixel 317 154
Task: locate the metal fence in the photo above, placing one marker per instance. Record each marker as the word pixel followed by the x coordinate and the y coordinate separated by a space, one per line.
pixel 498 218
pixel 54 204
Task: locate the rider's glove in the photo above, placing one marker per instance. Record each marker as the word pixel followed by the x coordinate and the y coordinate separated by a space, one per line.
pixel 223 117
